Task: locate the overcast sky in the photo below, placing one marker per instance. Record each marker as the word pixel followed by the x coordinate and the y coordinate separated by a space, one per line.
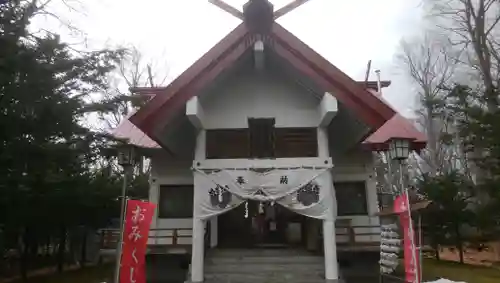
pixel 177 32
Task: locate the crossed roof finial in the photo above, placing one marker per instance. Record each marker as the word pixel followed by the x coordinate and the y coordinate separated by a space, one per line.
pixel 258 14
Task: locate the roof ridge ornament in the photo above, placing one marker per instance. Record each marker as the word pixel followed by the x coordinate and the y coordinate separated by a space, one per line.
pixel 258 15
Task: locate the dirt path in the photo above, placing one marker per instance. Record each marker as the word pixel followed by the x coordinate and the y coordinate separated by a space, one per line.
pixel 488 257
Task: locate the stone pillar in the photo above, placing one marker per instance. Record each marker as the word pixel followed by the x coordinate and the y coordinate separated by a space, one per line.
pixel 330 246
pixel 198 249
pixel 329 236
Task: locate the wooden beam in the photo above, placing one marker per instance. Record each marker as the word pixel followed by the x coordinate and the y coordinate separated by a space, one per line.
pixel 194 112
pixel 327 109
pixel 258 52
pixel 227 8
pixel 288 8
pixel 210 164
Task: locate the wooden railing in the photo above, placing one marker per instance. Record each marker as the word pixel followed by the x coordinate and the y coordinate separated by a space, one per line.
pixel 168 236
pixel 352 232
pixel 344 228
pixel 182 236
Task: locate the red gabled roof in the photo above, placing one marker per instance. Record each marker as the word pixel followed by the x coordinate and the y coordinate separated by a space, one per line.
pixel 369 108
pixel 134 136
pixel 398 127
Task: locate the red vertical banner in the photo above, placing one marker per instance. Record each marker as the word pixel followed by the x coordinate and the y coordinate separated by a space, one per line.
pixel 138 217
pixel 412 269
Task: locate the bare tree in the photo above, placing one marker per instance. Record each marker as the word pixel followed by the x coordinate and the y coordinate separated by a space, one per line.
pixel 430 64
pixel 136 70
pixel 473 26
pixel 391 176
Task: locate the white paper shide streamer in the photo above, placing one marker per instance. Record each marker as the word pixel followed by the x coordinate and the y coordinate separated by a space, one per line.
pixel 305 191
pixel 390 245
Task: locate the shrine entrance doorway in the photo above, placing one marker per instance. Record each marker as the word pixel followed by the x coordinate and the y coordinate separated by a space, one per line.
pixel 259 225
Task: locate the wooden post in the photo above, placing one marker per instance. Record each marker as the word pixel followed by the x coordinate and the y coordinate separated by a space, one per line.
pixel 174 237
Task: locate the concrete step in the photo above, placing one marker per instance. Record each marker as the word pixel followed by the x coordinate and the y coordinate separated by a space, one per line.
pixel 263 266
pixel 257 252
pixel 232 268
pixel 264 259
pixel 274 280
pixel 263 278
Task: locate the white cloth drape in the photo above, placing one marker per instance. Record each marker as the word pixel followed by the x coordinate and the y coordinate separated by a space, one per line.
pixel 305 191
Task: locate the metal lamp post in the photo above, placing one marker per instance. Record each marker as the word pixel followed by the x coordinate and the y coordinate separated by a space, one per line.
pixel 399 150
pixel 126 158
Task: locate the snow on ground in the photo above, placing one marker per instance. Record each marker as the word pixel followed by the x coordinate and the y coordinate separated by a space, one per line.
pixel 442 280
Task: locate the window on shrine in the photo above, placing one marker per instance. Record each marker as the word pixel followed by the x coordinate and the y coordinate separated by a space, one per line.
pixel 261 140
pixel 175 201
pixel 351 198
pixel 296 142
pixel 227 144
pixel 261 137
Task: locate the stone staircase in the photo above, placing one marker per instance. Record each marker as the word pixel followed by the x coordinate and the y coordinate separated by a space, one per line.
pixel 263 266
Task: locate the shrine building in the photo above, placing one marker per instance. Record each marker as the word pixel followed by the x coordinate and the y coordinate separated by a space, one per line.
pixel 264 148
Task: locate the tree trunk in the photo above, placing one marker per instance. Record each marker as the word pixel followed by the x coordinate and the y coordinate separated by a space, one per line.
pixel 432 145
pixel 459 243
pixel 54 247
pixel 436 252
pixel 83 255
pixel 24 262
pixel 461 252
pixel 47 247
pixel 62 248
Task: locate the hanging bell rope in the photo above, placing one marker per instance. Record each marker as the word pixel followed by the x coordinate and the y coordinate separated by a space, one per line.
pixel 246 209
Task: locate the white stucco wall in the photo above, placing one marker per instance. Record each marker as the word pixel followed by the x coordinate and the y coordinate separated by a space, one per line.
pixel 260 96
pixel 167 171
pixel 358 167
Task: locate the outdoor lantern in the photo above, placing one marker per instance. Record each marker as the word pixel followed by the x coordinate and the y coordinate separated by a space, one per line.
pixel 399 149
pixel 126 155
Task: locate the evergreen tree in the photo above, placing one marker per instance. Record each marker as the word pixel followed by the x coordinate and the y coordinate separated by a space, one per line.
pixel 451 195
pixel 47 160
pixel 479 126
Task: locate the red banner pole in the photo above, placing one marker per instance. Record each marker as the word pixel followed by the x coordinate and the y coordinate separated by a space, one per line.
pixel 412 263
pixel 412 238
pixel 119 245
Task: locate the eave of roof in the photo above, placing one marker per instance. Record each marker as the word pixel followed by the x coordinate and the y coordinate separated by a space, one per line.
pixel 133 135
